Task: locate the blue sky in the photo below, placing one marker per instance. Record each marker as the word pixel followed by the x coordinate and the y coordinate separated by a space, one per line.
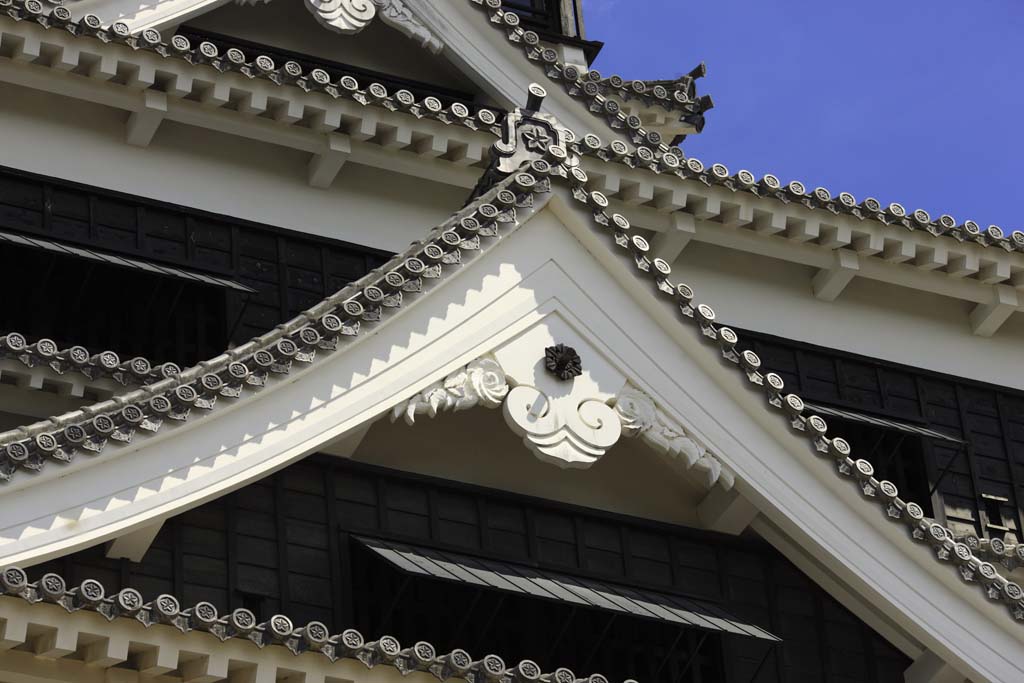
pixel 920 102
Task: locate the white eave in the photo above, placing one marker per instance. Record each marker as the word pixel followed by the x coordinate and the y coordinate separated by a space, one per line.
pixel 840 247
pixel 582 289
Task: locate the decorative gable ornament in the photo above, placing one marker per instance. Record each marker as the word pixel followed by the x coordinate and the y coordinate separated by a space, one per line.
pixel 349 17
pixel 481 383
pixel 343 16
pixel 568 430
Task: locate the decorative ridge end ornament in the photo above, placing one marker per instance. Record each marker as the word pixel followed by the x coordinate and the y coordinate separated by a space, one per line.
pixel 481 382
pixel 527 135
pixel 563 362
pixel 642 418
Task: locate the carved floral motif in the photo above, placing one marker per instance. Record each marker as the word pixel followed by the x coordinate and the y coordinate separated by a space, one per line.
pixel 397 15
pixel 642 418
pixel 482 382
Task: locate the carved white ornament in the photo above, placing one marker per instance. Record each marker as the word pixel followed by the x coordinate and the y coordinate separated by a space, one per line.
pixel 563 430
pixel 642 418
pixel 482 382
pixel 399 17
pixel 343 16
pixel 352 16
pixel 571 430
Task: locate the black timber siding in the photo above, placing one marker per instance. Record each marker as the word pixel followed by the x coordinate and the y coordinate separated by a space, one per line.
pixel 284 545
pixel 978 482
pixel 290 271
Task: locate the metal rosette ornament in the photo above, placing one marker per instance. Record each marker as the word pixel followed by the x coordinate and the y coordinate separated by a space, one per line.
pixel 456 664
pixel 419 657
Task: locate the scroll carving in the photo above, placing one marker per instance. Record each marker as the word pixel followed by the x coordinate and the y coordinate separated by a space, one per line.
pixel 564 431
pixel 343 16
pixel 352 16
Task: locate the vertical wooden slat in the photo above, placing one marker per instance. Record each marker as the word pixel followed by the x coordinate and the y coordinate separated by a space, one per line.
pixel 236 248
pixel 531 534
pixel 1004 428
pixel 432 521
pixel 341 575
pixel 92 218
pixel 140 236
pixel 482 523
pixel 773 610
pixel 178 570
pixel 325 287
pixel 627 555
pixel 965 431
pixel 823 649
pixel 928 452
pixel 382 510
pixel 282 544
pixel 882 388
pixel 869 648
pixel 231 550
pixel 581 543
pixel 190 239
pixel 47 212
pixel 282 279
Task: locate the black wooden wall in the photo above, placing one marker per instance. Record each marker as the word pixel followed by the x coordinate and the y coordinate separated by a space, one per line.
pixel 290 271
pixel 980 490
pixel 283 545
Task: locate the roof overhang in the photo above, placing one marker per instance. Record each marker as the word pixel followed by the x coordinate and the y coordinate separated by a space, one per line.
pixel 507 303
pixel 837 239
pixel 72 642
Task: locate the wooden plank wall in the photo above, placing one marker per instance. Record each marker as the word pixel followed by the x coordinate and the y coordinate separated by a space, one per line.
pixel 981 491
pixel 284 544
pixel 290 271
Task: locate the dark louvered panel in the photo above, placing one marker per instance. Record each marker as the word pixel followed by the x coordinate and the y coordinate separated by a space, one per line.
pixel 288 271
pixel 286 544
pixel 975 487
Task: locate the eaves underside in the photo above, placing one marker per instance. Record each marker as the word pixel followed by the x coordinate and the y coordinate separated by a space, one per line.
pixel 648 153
pixel 364 123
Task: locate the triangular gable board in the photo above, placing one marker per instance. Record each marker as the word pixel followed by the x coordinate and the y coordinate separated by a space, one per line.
pixel 533 263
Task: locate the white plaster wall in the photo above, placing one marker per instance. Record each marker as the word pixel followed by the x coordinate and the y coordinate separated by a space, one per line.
pixel 476 447
pixel 288 24
pixel 870 318
pixel 84 142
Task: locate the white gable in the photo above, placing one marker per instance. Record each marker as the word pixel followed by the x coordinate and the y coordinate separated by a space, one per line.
pixel 553 279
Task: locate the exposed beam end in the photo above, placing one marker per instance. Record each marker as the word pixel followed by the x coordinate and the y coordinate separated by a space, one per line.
pixel 986 319
pixel 637 193
pixel 669 244
pixel 726 512
pixel 325 166
pixel 134 545
pixel 830 282
pixel 144 122
pixel 929 668
pixel 465 153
